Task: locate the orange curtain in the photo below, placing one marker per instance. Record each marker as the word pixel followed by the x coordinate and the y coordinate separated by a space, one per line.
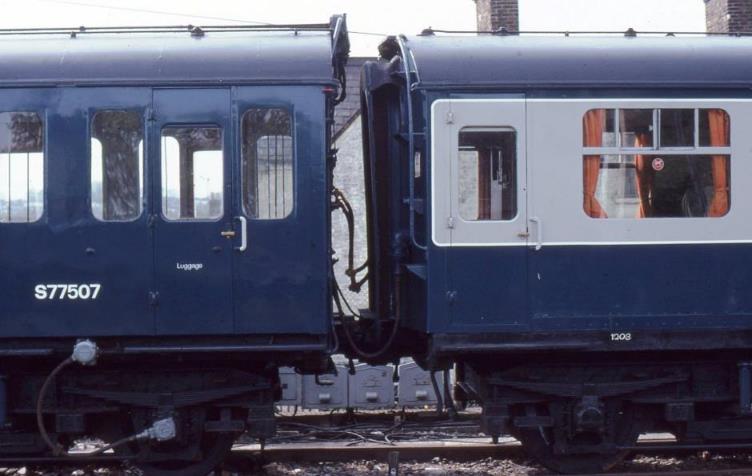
pixel 484 184
pixel 644 176
pixel 719 137
pixel 593 125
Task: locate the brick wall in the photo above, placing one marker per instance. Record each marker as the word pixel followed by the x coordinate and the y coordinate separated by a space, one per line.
pixel 728 16
pixel 495 14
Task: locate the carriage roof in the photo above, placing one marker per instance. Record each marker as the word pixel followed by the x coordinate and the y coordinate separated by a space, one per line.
pixel 595 60
pixel 172 55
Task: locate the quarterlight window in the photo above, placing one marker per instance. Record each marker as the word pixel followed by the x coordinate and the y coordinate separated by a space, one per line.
pixel 21 167
pixel 267 163
pixel 656 163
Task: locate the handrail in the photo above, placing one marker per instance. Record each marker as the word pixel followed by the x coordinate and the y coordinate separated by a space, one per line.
pixel 340 53
pixel 404 51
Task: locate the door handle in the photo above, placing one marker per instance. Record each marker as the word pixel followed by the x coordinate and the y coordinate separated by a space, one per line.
pixel 243 234
pixel 228 234
pixel 539 232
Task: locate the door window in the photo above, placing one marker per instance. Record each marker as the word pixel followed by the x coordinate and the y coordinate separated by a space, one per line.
pixel 487 174
pixel 192 173
pixel 117 165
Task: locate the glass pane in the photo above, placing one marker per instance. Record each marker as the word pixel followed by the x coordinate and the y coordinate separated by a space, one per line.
pixel 21 167
pixel 487 174
pixel 653 186
pixel 117 165
pixel 598 128
pixel 677 127
pixel 267 163
pixel 192 173
pixel 715 128
pixel 636 127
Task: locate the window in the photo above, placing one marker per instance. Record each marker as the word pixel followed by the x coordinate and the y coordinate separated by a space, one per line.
pixel 687 174
pixel 117 170
pixel 192 173
pixel 21 167
pixel 267 163
pixel 487 174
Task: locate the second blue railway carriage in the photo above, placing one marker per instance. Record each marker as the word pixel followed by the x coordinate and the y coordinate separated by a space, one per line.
pixel 567 219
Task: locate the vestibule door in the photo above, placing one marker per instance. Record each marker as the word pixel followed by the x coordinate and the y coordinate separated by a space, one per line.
pixel 479 207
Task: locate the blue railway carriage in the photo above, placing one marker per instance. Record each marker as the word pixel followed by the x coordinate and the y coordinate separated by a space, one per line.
pixel 567 218
pixel 164 215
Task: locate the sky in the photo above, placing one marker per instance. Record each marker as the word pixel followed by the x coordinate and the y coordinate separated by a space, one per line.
pixel 369 21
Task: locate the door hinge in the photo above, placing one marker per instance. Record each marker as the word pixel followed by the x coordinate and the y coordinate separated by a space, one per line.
pixel 150 116
pixel 153 298
pixel 151 221
pixel 450 222
pixel 450 117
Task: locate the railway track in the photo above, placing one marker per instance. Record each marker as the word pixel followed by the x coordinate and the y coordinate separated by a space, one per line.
pixel 464 449
pixel 384 440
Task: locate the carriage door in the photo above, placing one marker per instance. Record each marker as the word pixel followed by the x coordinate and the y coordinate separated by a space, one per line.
pixel 192 219
pixel 479 200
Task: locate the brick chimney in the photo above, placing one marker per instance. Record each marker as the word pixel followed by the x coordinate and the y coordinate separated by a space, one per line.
pixel 496 14
pixel 727 16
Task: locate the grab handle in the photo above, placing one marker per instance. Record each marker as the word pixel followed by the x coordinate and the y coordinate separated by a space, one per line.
pixel 539 232
pixel 243 234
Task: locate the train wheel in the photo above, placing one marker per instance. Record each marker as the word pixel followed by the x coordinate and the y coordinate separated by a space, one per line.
pixel 195 452
pixel 582 452
pixel 214 449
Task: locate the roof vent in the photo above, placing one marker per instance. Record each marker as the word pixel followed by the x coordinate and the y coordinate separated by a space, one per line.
pixel 196 31
pixel 427 32
pixel 630 33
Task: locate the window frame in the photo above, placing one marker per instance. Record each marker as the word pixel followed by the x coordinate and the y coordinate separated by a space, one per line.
pixel 144 167
pixel 41 115
pixel 293 160
pixel 696 149
pixel 222 139
pixel 502 129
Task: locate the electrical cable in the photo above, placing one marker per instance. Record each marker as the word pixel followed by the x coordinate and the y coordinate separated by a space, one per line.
pixel 341 203
pixel 184 15
pixel 153 12
pixel 57 450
